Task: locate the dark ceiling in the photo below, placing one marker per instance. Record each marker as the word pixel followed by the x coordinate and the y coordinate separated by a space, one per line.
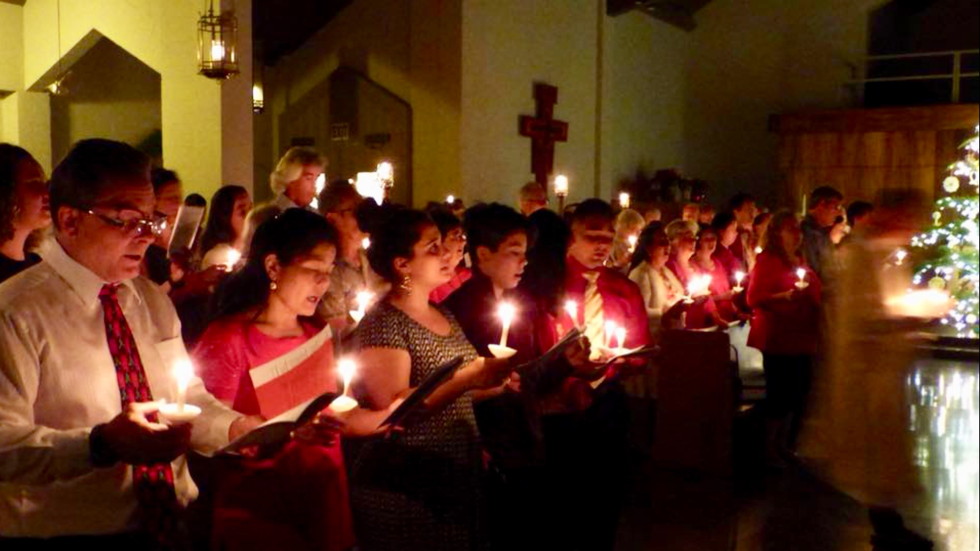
pixel 679 13
pixel 282 26
pixel 279 27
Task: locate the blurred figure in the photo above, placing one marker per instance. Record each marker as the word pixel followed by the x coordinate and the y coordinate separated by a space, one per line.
pixel 533 197
pixel 294 179
pixel 23 208
pixel 662 292
pixel 690 212
pixel 338 202
pixel 544 275
pixel 857 437
pixel 629 223
pixel 859 214
pixel 759 227
pixel 839 230
pixel 726 227
pixel 224 234
pixel 824 208
pixel 652 214
pixel 169 196
pixel 742 205
pixel 784 294
pixel 705 215
pixel 454 241
pixel 704 264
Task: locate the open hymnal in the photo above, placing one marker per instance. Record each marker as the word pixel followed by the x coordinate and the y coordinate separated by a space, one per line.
pixel 276 431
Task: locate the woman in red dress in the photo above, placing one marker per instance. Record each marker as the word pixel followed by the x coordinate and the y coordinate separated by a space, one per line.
pixel 784 294
pixel 296 497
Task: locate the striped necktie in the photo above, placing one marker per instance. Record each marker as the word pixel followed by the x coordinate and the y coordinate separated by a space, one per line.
pixel 594 320
pixel 153 484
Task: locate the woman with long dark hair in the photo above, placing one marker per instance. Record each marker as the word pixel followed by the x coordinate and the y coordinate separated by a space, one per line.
pixel 266 351
pixel 422 489
pixel 23 208
pixel 784 294
pixel 224 234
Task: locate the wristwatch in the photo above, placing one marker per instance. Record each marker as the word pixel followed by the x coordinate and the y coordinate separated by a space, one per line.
pixel 100 454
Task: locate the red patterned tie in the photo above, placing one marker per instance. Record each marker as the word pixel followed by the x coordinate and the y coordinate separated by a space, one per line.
pixel 153 484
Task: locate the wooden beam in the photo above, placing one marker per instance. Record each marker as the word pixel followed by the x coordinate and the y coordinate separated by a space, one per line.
pixel 889 119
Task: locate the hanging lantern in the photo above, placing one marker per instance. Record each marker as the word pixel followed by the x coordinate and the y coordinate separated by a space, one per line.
pixel 216 42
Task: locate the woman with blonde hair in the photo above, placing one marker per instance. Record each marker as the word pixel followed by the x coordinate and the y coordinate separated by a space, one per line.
pixel 628 225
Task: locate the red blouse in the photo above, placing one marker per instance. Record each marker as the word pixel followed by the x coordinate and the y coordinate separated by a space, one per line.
pixel 781 326
pixel 298 496
pixel 720 285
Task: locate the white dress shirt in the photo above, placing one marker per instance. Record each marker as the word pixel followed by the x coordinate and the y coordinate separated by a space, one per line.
pixel 58 380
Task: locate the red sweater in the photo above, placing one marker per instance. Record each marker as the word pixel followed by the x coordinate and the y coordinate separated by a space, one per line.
pixel 780 326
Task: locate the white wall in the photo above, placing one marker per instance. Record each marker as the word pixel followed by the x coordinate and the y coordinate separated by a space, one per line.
pixel 507 46
pixel 750 60
pixel 410 47
pixel 645 64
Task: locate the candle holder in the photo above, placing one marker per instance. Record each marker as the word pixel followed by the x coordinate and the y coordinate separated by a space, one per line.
pixel 501 352
pixel 178 414
pixel 343 404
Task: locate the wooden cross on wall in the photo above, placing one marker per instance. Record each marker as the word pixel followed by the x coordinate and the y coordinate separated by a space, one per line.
pixel 544 131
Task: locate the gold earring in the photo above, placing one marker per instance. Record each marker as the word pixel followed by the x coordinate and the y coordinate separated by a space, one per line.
pixel 273 285
pixel 406 285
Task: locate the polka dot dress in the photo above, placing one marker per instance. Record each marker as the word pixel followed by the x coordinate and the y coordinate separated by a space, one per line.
pixel 419 490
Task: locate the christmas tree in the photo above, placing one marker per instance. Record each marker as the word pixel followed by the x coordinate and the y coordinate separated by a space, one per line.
pixel 949 247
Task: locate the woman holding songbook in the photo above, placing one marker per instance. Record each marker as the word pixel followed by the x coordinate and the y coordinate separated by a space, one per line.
pixel 419 489
pixel 662 292
pixel 263 355
pixel 784 294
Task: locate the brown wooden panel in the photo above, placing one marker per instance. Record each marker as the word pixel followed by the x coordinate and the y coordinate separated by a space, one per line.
pixel 892 119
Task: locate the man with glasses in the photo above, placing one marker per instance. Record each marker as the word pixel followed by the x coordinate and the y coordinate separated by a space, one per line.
pixel 86 348
pixel 825 205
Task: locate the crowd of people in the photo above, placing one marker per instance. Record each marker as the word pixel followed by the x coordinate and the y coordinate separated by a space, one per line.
pixel 95 312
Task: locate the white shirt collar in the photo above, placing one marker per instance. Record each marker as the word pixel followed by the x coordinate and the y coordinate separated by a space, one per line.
pixel 83 281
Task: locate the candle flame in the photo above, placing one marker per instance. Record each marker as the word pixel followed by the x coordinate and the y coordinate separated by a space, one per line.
pixel 183 372
pixel 624 199
pixel 571 308
pixel 217 50
pixel 561 185
pixel 450 199
pixel 363 299
pixel 346 367
pixel 801 273
pixel 621 337
pixel 739 276
pixel 234 255
pixel 506 311
pixel 366 243
pixel 631 239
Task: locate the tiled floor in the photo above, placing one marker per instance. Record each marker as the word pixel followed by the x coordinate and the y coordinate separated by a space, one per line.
pixel 790 511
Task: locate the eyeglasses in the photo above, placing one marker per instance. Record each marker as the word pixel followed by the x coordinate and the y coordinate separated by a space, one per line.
pixel 133 223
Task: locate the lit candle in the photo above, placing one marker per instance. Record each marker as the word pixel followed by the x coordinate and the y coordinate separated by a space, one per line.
pixel 624 200
pixel 609 330
pixel 631 240
pixel 344 402
pixel 217 50
pixel 366 243
pixel 183 372
pixel 900 255
pixel 232 258
pixel 620 333
pixel 450 199
pixel 571 308
pixel 739 276
pixel 363 300
pixel 561 185
pixel 698 285
pixel 758 250
pixel 801 275
pixel 181 412
pixel 505 312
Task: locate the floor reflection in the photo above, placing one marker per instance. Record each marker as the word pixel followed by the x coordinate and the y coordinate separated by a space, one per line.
pixel 943 415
